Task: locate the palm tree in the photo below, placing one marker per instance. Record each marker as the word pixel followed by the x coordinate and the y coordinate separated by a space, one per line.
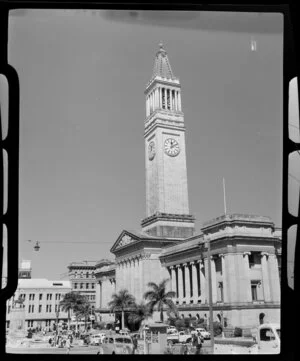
pixel 121 301
pixel 71 302
pixel 159 297
pixel 139 314
pixel 83 310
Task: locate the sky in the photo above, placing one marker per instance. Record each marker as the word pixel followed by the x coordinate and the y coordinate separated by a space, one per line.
pixel 82 110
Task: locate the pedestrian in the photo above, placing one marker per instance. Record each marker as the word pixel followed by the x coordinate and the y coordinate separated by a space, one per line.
pixel 68 345
pixel 135 344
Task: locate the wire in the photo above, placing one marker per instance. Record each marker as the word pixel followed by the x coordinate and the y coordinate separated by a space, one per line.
pixel 85 242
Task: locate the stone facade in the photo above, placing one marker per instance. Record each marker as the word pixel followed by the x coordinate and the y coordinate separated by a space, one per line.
pixel 245 250
pixel 83 280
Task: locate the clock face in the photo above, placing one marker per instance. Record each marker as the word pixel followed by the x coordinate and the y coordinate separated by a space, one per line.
pixel 151 150
pixel 171 147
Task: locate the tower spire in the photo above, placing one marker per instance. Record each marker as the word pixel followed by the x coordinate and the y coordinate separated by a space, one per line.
pixel 162 67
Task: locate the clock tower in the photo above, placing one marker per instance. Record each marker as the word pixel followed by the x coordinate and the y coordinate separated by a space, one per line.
pixel 167 206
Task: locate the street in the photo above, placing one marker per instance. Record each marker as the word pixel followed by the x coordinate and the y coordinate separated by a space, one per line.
pixel 53 350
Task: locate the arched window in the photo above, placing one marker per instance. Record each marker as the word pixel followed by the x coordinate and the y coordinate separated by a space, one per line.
pixel 87 275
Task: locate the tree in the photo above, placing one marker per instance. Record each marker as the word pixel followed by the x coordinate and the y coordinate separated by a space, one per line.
pixel 121 301
pixel 158 297
pixel 72 301
pixel 83 310
pixel 139 314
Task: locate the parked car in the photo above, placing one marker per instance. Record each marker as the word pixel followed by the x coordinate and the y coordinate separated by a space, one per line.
pixel 116 344
pixel 205 334
pixel 179 337
pixel 97 338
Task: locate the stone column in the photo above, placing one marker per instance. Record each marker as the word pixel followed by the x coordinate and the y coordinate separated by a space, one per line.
pixel 187 283
pixel 141 278
pixel 247 296
pixel 274 278
pixel 180 284
pixel 206 280
pixel 97 295
pixel 224 278
pixel 179 101
pixel 202 275
pixel 127 276
pixel 176 100
pixel 214 279
pixel 132 285
pixel 194 282
pixel 173 279
pixel 265 276
pixel 101 294
pixel 159 97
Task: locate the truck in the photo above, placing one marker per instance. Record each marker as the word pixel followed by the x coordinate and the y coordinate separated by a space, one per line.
pixel 268 338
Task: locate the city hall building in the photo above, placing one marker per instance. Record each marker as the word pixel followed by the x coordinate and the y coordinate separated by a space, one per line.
pixel 245 250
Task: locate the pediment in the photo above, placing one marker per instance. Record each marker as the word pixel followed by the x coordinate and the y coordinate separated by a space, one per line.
pixel 126 238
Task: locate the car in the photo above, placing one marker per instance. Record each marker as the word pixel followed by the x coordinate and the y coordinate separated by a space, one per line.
pixel 124 332
pixel 205 334
pixel 268 338
pixel 170 328
pixel 116 344
pixel 97 338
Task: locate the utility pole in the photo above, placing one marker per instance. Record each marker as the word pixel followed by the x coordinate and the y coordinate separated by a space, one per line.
pixel 210 299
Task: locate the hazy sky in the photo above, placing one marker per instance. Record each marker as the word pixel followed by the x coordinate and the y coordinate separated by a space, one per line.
pixel 82 81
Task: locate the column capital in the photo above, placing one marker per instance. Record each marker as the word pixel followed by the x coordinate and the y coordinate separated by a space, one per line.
pixel 185 264
pixel 265 254
pixel 221 255
pixel 178 266
pixel 192 263
pixel 246 254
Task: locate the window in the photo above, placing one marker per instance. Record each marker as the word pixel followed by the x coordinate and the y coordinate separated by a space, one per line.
pixel 254 259
pixel 56 308
pixel 87 286
pixel 75 286
pixel 81 285
pixel 50 308
pixel 29 308
pixel 57 296
pixel 40 308
pixel 93 285
pixel 32 308
pixel 266 334
pixel 220 292
pixel 48 296
pixel 40 296
pixel 87 275
pixel 33 296
pixel 254 285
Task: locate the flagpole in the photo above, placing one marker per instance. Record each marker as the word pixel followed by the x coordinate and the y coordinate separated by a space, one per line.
pixel 224 193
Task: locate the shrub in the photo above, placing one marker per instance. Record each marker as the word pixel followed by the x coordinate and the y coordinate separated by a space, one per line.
pixel 238 332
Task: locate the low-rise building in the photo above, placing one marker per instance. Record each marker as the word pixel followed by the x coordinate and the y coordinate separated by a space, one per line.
pixel 41 298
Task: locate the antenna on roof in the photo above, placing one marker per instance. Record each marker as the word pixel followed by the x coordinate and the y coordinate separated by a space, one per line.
pixel 225 210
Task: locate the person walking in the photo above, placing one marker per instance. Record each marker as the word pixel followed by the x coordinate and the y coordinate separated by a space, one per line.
pixel 135 344
pixel 68 345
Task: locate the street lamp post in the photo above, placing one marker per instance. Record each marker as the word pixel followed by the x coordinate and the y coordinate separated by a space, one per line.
pixel 210 300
